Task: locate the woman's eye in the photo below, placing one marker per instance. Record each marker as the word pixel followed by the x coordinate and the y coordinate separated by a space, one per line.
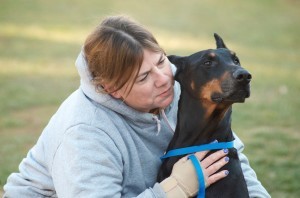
pixel 143 78
pixel 208 63
pixel 161 61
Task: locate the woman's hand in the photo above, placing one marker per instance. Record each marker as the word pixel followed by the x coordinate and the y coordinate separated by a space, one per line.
pixel 183 181
pixel 211 164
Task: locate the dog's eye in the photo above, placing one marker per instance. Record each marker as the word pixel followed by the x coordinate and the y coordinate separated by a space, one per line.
pixel 208 63
pixel 236 60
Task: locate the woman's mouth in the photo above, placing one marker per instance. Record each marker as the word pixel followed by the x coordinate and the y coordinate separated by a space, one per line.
pixel 165 93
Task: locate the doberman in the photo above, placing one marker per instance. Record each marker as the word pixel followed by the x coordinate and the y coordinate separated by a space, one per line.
pixel 211 81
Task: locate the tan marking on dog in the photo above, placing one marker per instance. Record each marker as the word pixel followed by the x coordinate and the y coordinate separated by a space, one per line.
pixel 232 53
pixel 207 90
pixel 224 76
pixel 193 85
pixel 212 55
pixel 213 86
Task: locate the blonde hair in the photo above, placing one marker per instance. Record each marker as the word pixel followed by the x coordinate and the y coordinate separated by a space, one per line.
pixel 114 51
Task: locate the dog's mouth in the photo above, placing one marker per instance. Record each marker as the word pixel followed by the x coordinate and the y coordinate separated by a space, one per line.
pixel 235 96
pixel 238 96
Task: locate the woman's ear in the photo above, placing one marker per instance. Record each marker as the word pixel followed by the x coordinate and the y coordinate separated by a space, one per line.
pixel 116 94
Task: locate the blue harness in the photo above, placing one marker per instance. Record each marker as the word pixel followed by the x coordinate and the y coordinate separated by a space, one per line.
pixel 196 163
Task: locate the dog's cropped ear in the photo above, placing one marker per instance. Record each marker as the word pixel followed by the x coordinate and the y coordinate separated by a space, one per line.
pixel 178 61
pixel 219 41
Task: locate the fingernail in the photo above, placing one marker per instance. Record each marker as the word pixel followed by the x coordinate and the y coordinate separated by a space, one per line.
pixel 226 172
pixel 225 150
pixel 226 159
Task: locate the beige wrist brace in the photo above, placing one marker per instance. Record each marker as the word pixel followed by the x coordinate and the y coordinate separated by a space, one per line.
pixel 183 181
pixel 172 189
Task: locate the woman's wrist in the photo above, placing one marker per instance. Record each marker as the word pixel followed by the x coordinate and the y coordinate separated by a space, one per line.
pixel 172 188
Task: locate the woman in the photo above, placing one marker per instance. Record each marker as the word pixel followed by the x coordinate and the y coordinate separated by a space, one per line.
pixel 105 140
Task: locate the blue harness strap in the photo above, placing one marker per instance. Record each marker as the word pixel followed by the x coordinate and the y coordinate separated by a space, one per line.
pixel 194 149
pixel 200 176
pixel 196 163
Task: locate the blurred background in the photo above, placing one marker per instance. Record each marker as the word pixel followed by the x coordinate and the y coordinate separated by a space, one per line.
pixel 40 40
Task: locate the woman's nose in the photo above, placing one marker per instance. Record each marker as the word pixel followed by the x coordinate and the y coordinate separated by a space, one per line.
pixel 160 78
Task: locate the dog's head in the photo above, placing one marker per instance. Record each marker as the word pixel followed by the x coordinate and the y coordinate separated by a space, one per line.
pixel 213 75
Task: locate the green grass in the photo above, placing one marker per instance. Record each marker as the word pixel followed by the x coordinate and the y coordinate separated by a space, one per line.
pixel 40 40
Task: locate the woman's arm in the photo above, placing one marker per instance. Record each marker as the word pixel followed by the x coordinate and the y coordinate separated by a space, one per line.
pixel 88 163
pixel 255 188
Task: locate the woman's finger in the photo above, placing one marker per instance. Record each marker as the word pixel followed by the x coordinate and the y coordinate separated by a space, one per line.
pixel 212 158
pixel 216 166
pixel 202 154
pixel 216 177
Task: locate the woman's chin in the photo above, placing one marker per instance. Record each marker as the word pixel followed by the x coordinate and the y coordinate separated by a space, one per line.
pixel 166 102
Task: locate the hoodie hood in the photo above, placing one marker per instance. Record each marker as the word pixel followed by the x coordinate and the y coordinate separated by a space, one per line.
pixel 108 101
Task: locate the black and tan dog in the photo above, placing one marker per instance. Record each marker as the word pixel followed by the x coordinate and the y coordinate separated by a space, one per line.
pixel 211 81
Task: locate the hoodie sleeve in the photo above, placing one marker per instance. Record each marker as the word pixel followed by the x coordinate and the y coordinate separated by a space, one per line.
pixel 89 164
pixel 31 181
pixel 255 187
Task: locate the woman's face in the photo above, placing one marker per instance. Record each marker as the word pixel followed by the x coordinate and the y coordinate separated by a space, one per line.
pixel 153 87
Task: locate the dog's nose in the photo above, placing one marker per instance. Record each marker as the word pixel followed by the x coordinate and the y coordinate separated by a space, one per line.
pixel 242 75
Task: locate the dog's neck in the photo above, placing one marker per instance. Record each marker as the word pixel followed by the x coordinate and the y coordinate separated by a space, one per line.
pixel 201 122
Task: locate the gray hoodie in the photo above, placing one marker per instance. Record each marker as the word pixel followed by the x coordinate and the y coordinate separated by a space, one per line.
pixel 97 146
